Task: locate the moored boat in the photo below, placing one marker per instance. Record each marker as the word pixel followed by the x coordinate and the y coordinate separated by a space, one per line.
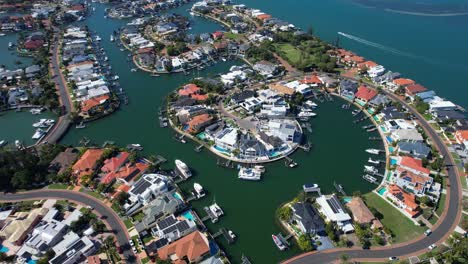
pixel 373 151
pixel 281 246
pixel 250 174
pixel 3 143
pixel 183 169
pixel 199 191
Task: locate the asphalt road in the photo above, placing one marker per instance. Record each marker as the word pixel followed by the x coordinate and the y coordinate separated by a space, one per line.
pixel 439 232
pixel 108 215
pixel 64 122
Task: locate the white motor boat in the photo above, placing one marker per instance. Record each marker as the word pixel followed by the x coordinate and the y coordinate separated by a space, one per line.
pixel 49 122
pixel 2 34
pixel 216 210
pixel 231 234
pixel 281 246
pixel 3 143
pixel 250 174
pixel 199 191
pixel 97 38
pixel 306 114
pixel 133 70
pixel 38 134
pixel 373 161
pixel 310 187
pixel 18 144
pixel 183 169
pixel 373 151
pixel 35 111
pixel 309 103
pixel 112 38
pixel 371 169
pixel 41 123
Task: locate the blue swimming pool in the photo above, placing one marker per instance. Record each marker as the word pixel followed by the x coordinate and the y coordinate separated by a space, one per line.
pixel 202 136
pixel 220 149
pixel 31 261
pixel 382 191
pixel 393 161
pixel 188 215
pixel 177 195
pixel 347 200
pixel 4 249
pixel 389 139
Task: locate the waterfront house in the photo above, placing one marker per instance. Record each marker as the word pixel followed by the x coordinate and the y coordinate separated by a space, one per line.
pixel 147 188
pixel 396 124
pixel 413 165
pixel 379 100
pixel 328 81
pixel 273 144
pixel 312 80
pixel 269 96
pixel 307 218
pixel 94 105
pixel 391 112
pixel 191 248
pixel 281 89
pixel 413 89
pixel 461 136
pixel 438 103
pixel 87 163
pixel 273 111
pixel 348 89
pixel 426 96
pixel 226 140
pixel 362 214
pixel 115 163
pixel 331 208
pixel 64 160
pixel 404 200
pixel 240 97
pixel 250 148
pixel 126 173
pixel 415 183
pixel 387 77
pixel 399 83
pixel 172 228
pixel 198 123
pixel 376 71
pixel 416 149
pixel 410 135
pixel 163 205
pixel 284 129
pixel 266 69
pixel 193 91
pixel 364 95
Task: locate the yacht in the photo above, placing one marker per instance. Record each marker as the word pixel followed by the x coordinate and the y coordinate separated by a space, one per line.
pixel 306 114
pixel 10 45
pixel 373 151
pixel 3 143
pixel 199 192
pixel 260 168
pixel 310 187
pixel 216 210
pixel 97 38
pixel 18 144
pixel 373 161
pixel 135 147
pixel 249 174
pixel 231 234
pixel 80 125
pixel 183 169
pixel 278 242
pixel 112 38
pixel 309 103
pixel 39 133
pixel 35 111
pixel 116 77
pixel 370 169
pixel 2 34
pixel 133 70
pixel 40 123
pixel 49 122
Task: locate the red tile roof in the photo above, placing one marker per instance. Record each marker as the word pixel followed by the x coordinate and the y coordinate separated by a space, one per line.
pixel 263 17
pixel 311 79
pixel 114 163
pixel 403 82
pixel 90 103
pixel 344 53
pixel 196 121
pixel 355 59
pixel 461 136
pixel 414 164
pixel 127 172
pixel 414 89
pixel 419 181
pixel 367 64
pixel 408 199
pixel 192 246
pixel 33 44
pixel 217 34
pixel 189 89
pixel 87 162
pixel 365 93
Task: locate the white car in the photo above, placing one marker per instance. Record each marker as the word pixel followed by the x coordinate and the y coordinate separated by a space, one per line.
pixel 428 232
pixel 393 258
pixel 431 247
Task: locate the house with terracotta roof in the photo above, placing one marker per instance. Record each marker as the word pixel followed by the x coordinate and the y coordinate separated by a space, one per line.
pixel 86 164
pixel 126 173
pixel 399 82
pixel 367 65
pixel 413 89
pixel 197 123
pixel 362 214
pixel 364 95
pixel 94 105
pixel 122 188
pixel 217 35
pixel 263 17
pixel 413 165
pixel 189 249
pixel 403 200
pixel 193 91
pixel 353 60
pixel 281 89
pixel 461 136
pixel 415 183
pixel 312 80
pixel 115 163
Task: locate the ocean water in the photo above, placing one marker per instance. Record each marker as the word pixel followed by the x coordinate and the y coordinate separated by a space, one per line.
pixel 432 50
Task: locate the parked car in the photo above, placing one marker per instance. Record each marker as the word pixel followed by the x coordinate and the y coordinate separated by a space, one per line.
pixel 393 258
pixel 428 232
pixel 431 247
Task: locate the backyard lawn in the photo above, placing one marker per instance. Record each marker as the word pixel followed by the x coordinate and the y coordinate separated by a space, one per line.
pixel 59 186
pixel 441 205
pixel 403 228
pixel 292 54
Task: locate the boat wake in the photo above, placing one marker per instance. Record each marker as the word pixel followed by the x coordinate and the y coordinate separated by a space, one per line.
pixel 378 46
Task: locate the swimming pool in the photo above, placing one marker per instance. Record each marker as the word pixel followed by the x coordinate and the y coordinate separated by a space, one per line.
pixel 221 149
pixel 382 191
pixel 393 161
pixel 389 139
pixel 347 199
pixel 202 136
pixel 383 129
pixel 4 249
pixel 188 215
pixel 177 195
pixel 390 149
pixel 31 261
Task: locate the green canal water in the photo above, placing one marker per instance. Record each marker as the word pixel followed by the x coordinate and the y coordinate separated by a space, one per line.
pixel 432 50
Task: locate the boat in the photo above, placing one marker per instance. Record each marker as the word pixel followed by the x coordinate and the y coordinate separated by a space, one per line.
pixel 369 178
pixel 371 169
pixel 278 242
pixel 355 112
pixel 112 39
pixel 250 174
pixel 133 70
pixel 80 125
pixel 18 144
pixel 116 77
pixel 49 122
pixel 260 168
pixel 370 160
pixel 373 151
pixel 122 49
pixel 292 164
pixel 310 103
pixel 223 59
pixel 2 34
pixel 38 134
pixel 40 123
pixel 155 75
pixel 183 169
pixel 310 187
pixel 10 45
pixel 35 111
pixel 97 38
pixel 198 190
pixel 3 143
pixel 216 210
pixel 306 114
pixel 231 234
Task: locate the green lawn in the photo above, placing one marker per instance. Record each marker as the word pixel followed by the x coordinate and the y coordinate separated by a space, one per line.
pixel 292 54
pixel 403 228
pixel 60 186
pixel 94 194
pixel 441 205
pixel 233 36
pixel 128 223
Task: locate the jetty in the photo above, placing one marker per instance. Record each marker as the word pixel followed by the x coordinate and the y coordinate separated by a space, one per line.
pixel 339 188
pixel 225 233
pixel 108 143
pixel 360 119
pixel 198 148
pixel 180 138
pixel 228 164
pixel 245 260
pixel 306 147
pixel 289 162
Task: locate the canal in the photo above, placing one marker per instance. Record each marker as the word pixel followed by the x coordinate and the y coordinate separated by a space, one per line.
pixel 337 152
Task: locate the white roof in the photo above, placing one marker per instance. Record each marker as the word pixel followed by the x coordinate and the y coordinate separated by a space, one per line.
pixel 335 214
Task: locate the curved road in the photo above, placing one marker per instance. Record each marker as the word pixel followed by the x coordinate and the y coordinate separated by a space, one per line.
pixel 443 228
pixel 108 215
